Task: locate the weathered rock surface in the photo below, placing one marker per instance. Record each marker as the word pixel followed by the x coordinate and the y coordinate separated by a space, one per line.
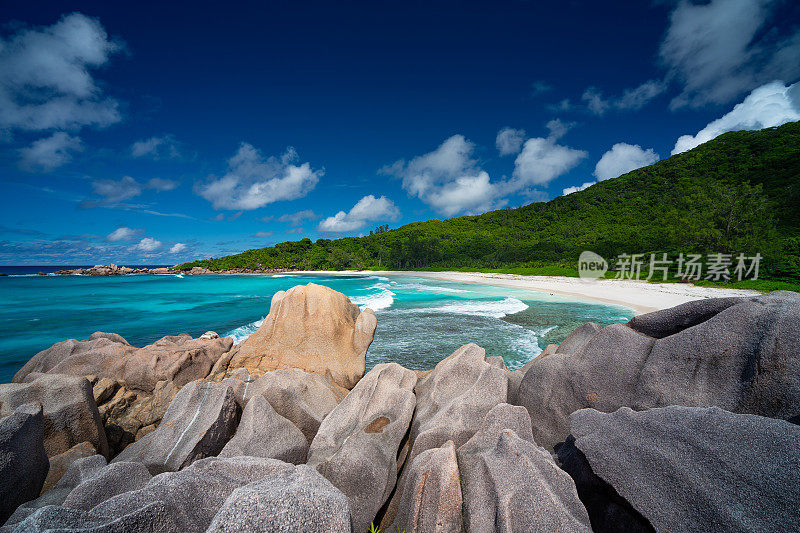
pixel 740 354
pixel 298 499
pixel 578 338
pixel 59 464
pixel 198 423
pixel 301 397
pixel 431 498
pixel 310 327
pixel 23 461
pixel 70 414
pixel 264 433
pixel 511 484
pixel 357 444
pixel 109 481
pixel 174 501
pixel 453 400
pixel 685 469
pixel 179 359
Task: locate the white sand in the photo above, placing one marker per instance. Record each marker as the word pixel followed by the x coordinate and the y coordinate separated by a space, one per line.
pixel 641 296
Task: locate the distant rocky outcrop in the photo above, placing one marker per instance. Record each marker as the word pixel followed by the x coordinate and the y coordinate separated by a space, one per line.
pixel 740 354
pixel 310 327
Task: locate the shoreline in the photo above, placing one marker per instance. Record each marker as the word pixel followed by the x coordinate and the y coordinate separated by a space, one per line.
pixel 640 296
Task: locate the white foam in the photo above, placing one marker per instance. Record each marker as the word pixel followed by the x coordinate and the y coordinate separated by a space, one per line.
pixel 242 332
pixel 382 298
pixel 280 276
pixel 491 308
pixel 429 288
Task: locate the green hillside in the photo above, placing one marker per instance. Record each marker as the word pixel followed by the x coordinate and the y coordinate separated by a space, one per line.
pixel 739 193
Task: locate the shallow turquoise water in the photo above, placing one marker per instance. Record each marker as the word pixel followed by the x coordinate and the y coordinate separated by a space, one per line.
pixel 420 321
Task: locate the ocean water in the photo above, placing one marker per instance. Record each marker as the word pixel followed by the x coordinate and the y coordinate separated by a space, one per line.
pixel 420 321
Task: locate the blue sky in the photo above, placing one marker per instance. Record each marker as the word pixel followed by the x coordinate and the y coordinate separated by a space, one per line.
pixel 186 130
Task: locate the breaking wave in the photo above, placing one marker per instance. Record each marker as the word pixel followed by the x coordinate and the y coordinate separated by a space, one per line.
pixel 242 332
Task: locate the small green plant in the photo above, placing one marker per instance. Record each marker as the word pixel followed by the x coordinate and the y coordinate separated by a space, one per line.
pixel 373 528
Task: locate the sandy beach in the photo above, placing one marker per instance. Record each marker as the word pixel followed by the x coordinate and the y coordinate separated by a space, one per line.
pixel 641 296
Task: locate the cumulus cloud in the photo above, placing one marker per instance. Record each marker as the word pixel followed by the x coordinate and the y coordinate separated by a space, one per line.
pixel 542 159
pixel 177 248
pixel 539 87
pixel 448 179
pixel 595 101
pixel 51 152
pixel 253 181
pixel 717 50
pixel 113 191
pixel 294 219
pixel 122 233
pixel 509 141
pixel 263 234
pixel 622 158
pixel 165 147
pixel 148 244
pixel 366 210
pixel 46 77
pixel 570 190
pixel 770 105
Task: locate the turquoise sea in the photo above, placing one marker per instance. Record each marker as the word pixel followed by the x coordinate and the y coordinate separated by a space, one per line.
pixel 420 321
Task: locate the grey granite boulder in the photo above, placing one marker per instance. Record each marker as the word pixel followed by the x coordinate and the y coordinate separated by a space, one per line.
pixel 740 354
pixel 109 481
pixel 357 444
pixel 198 423
pixel 264 433
pixel 511 484
pixel 59 464
pixel 23 461
pixel 431 498
pixel 70 413
pixel 298 499
pixel 304 398
pixel 685 469
pixel 578 338
pixel 173 501
pixel 176 358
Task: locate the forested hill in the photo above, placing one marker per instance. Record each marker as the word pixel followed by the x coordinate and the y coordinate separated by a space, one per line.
pixel 739 193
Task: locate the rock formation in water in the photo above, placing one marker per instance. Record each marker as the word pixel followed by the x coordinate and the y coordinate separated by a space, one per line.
pixel 681 420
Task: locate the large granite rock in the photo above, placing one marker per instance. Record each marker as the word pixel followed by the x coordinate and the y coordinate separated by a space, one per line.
pixel 198 423
pixel 107 482
pixel 23 461
pixel 301 397
pixel 59 464
pixel 186 500
pixel 298 499
pixel 578 338
pixel 431 498
pixel 310 327
pixel 357 444
pixel 685 469
pixel 511 484
pixel 178 359
pixel 79 471
pixel 264 433
pixel 740 354
pixel 70 413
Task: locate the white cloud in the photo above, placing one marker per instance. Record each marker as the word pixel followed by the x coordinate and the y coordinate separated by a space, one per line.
pixel 367 209
pixel 46 80
pixel 51 152
pixel 263 234
pixel 542 160
pixel 253 181
pixel 631 99
pixel 161 184
pixel 295 219
pixel 770 105
pixel 148 244
pixel 177 248
pixel 122 233
pixel 448 179
pixel 539 87
pixel 622 158
pixel 570 190
pixel 114 191
pixel 717 50
pixel 509 141
pixel 165 147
